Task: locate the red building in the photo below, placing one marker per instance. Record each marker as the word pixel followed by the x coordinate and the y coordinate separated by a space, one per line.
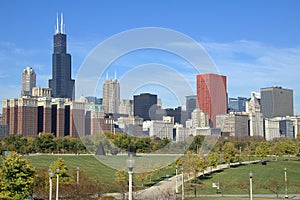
pixel 212 95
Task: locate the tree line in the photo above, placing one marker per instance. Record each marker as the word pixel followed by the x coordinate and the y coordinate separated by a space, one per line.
pixel 43 143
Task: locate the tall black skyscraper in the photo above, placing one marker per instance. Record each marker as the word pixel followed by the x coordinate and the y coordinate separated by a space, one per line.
pixel 62 84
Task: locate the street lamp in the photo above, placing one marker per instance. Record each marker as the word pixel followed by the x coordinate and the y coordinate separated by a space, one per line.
pixel 182 186
pixel 77 180
pixel 176 190
pixel 50 183
pixel 250 176
pixel 57 182
pixel 285 182
pixel 130 164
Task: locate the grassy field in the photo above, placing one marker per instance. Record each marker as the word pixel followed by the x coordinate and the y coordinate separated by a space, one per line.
pixel 236 180
pixel 232 181
pixel 97 166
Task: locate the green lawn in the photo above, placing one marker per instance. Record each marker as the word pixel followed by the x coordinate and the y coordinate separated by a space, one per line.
pixel 236 180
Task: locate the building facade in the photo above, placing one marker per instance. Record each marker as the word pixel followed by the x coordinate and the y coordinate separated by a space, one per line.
pixel 190 104
pixel 256 121
pixel 111 96
pixel 276 102
pixel 234 124
pixel 212 95
pixel 28 81
pixel 145 106
pixel 62 84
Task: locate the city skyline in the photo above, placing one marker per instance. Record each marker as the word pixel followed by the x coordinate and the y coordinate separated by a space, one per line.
pixel 252 51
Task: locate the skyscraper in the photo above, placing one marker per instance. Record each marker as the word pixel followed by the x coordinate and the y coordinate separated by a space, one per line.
pixel 145 106
pixel 28 81
pixel 276 102
pixel 62 84
pixel 191 104
pixel 212 95
pixel 111 95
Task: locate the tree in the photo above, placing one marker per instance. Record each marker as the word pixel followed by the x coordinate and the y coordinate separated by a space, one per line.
pixel 121 179
pixel 16 177
pixel 229 152
pixel 63 169
pixel 44 143
pixel 212 160
pixel 273 185
pixel 262 149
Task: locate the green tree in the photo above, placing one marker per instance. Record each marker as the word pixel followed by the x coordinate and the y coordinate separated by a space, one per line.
pixel 229 152
pixel 16 177
pixel 44 143
pixel 63 169
pixel 262 149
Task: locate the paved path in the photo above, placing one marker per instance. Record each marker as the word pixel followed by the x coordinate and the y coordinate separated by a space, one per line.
pixel 166 189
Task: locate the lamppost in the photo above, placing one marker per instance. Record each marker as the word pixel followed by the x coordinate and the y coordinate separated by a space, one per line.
pixel 50 183
pixel 57 182
pixel 176 190
pixel 130 164
pixel 285 182
pixel 182 186
pixel 250 176
pixel 77 180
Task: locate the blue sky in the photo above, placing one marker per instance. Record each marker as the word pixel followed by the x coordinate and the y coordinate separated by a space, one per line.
pixel 254 43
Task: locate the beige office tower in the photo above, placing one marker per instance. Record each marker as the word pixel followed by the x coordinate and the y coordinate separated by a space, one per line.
pixel 28 81
pixel 111 96
pixel 256 120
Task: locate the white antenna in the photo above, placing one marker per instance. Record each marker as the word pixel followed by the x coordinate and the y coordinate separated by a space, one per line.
pixel 106 75
pixel 56 28
pixel 61 23
pixel 115 75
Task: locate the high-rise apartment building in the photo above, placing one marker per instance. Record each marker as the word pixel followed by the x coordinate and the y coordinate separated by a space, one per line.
pixel 144 106
pixel 276 102
pixel 111 96
pixel 237 104
pixel 28 81
pixel 62 84
pixel 212 95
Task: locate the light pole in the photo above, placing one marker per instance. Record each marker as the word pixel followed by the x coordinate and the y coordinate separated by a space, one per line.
pixel 57 182
pixel 77 180
pixel 50 183
pixel 250 176
pixel 285 182
pixel 130 164
pixel 176 190
pixel 182 186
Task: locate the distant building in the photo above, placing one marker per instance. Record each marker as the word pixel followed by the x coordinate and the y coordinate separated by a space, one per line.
pixel 31 116
pixel 212 95
pixel 3 131
pixel 62 84
pixel 296 124
pixel 160 129
pixel 92 99
pixel 191 104
pixel 286 128
pixel 111 96
pixel 256 121
pixel 41 92
pixel 145 106
pixel 126 107
pixel 276 102
pixel 28 81
pixel 272 130
pixel 235 124
pixel 237 104
pixel 176 113
pixel 199 119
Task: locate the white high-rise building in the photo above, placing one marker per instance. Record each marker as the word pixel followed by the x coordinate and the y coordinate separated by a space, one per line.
pixel 199 119
pixel 256 120
pixel 111 96
pixel 126 107
pixel 28 81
